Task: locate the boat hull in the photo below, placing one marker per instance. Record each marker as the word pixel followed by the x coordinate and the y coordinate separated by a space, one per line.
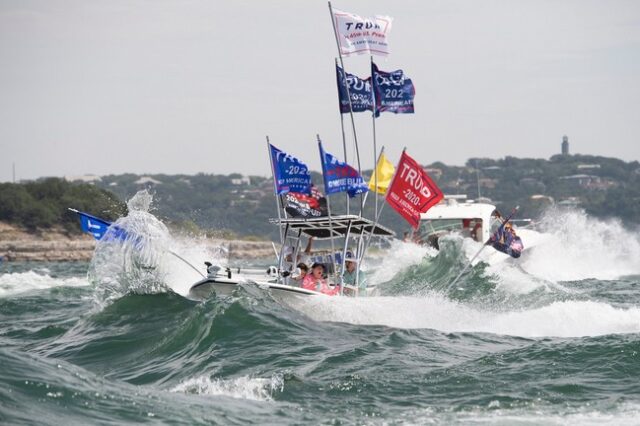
pixel 207 287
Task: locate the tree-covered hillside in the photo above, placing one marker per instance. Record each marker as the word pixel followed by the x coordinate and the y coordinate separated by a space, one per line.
pixel 43 204
pixel 240 206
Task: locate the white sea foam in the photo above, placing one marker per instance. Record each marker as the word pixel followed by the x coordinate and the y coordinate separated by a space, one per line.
pixel 149 260
pixel 399 256
pixel 622 415
pixel 581 247
pixel 253 388
pixel 182 272
pixel 20 282
pixel 559 319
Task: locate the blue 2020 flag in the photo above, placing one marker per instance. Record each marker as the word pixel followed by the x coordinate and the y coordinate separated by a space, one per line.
pixel 99 227
pixel 394 91
pixel 360 91
pixel 289 173
pixel 339 176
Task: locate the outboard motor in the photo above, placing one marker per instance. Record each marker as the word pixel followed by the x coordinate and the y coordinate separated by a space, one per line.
pixel 213 271
pixel 272 271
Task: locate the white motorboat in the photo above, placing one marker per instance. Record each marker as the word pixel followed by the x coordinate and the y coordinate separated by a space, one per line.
pixel 277 280
pixel 471 220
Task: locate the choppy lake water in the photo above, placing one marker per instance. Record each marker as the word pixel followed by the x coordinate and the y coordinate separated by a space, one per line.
pixel 552 339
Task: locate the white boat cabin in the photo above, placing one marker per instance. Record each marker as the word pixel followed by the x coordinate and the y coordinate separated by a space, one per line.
pixel 470 219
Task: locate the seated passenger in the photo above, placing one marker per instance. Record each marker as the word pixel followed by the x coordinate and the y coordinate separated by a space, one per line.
pixel 298 276
pixel 350 273
pixel 315 281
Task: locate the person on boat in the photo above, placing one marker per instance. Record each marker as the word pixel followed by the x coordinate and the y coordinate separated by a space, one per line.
pixel 416 237
pixel 351 273
pixel 476 233
pixel 299 274
pixel 506 241
pixel 466 227
pixel 301 257
pixel 315 281
pixel 306 254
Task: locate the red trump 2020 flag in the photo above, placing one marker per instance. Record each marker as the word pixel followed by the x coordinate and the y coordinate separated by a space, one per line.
pixel 412 191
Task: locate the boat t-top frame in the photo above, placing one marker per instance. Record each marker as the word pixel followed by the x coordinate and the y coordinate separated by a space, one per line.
pixel 328 227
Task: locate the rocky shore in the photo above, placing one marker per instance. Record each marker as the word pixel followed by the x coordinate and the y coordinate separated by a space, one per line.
pixel 54 245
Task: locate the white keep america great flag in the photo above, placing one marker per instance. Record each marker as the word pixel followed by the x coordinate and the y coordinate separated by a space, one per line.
pixel 358 35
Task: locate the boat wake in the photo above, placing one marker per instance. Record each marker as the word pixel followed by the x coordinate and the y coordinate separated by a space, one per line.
pixel 559 319
pixel 581 247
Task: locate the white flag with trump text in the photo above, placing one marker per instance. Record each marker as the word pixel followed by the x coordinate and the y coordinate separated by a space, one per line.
pixel 358 35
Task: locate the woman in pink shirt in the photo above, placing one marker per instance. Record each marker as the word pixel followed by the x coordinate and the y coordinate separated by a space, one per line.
pixel 316 282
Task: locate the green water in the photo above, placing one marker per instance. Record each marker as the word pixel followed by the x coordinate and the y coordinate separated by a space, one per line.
pixel 161 358
pixel 550 339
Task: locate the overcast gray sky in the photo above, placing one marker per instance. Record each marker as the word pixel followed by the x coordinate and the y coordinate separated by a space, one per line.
pixel 194 86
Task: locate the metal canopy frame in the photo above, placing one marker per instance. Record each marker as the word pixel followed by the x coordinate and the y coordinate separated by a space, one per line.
pixel 322 228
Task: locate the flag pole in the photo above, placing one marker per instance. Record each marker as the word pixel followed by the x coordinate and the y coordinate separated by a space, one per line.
pixel 375 192
pixel 353 122
pixel 275 190
pixel 324 173
pixel 375 149
pixel 344 138
pixel 377 218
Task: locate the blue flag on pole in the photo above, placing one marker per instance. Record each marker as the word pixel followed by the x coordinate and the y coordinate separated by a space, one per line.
pixel 394 91
pixel 339 176
pixel 360 91
pixel 289 173
pixel 99 227
pixel 93 225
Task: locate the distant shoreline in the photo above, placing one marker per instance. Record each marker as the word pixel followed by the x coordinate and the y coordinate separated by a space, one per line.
pixel 53 245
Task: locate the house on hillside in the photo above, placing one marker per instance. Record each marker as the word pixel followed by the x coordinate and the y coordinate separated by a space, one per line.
pixel 532 183
pixel 487 183
pixel 570 202
pixel 147 181
pixel 83 178
pixel 243 180
pixel 590 181
pixel 588 166
pixel 542 199
pixel 581 180
pixel 434 172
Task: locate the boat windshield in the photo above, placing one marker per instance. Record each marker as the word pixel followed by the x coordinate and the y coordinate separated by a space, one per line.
pixel 431 230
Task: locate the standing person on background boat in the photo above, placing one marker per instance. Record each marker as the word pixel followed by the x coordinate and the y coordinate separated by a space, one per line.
pixel 506 241
pixel 350 273
pixel 315 281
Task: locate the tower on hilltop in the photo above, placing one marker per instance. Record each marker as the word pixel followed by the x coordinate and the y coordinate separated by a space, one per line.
pixel 565 145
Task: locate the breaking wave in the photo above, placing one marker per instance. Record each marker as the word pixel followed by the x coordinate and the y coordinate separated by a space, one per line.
pixel 149 260
pixel 581 247
pixel 252 388
pixel 558 319
pixel 22 282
